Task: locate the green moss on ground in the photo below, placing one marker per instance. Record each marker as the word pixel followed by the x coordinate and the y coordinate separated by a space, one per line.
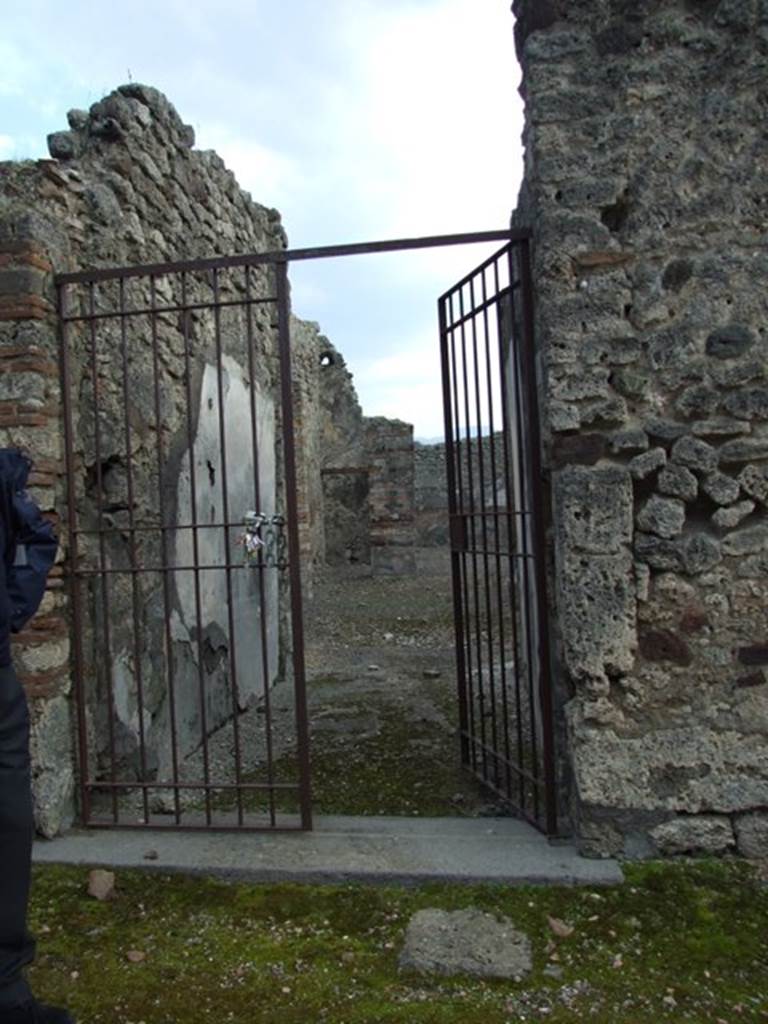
pixel 676 942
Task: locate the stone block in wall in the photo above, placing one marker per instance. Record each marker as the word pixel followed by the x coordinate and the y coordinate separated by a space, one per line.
pixel 53 777
pixel 594 570
pixel 704 833
pixel 687 769
pixel 597 614
pixel 593 509
pixel 752 834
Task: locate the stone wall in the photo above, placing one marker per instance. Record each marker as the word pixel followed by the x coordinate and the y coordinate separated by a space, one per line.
pixel 345 464
pixel 431 484
pixel 389 444
pixel 356 490
pixel 124 186
pixel 645 187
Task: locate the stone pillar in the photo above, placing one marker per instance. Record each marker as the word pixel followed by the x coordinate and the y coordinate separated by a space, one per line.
pixel 645 189
pixel 389 445
pixel 31 419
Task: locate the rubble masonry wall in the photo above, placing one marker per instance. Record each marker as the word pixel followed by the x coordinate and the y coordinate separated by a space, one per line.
pixel 645 186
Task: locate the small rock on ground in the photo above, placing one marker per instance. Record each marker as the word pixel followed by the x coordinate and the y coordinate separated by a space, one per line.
pixel 101 884
pixel 465 942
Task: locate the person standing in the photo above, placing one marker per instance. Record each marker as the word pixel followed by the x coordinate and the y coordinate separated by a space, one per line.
pixel 27 553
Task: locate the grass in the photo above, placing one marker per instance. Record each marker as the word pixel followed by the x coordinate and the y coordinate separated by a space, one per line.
pixel 409 767
pixel 677 942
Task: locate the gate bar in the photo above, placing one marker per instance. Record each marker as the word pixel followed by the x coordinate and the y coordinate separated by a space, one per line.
pixel 539 542
pixel 291 255
pixel 292 526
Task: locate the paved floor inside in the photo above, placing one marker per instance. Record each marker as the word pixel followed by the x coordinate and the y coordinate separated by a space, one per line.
pixel 346 849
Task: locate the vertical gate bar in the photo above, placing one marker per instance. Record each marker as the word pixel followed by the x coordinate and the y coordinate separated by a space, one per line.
pixel 497 534
pixel 74 579
pixel 260 568
pixel 195 546
pixel 522 441
pixel 473 532
pixel 164 551
pixel 137 645
pixel 537 523
pixel 514 522
pixel 467 638
pixel 227 554
pixel 297 623
pixel 485 571
pixel 102 549
pixel 450 469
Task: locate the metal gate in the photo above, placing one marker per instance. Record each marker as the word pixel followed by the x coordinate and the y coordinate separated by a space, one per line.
pixel 183 544
pixel 496 520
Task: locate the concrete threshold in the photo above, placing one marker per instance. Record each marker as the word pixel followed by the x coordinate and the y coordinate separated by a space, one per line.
pixel 402 851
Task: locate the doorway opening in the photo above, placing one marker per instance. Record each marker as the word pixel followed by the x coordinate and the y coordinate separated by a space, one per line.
pixel 186 546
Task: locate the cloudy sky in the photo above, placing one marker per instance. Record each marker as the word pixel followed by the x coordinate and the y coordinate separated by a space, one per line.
pixel 358 119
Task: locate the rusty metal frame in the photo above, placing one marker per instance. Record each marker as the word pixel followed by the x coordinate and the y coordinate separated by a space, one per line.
pixel 492 432
pixel 88 319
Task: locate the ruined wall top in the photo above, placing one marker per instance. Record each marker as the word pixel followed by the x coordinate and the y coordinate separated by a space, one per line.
pixel 133 114
pixel 125 185
pixel 621 24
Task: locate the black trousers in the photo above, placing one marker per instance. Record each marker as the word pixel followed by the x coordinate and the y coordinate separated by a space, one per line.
pixel 16 830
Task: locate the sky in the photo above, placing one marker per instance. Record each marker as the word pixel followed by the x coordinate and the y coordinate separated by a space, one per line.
pixel 359 120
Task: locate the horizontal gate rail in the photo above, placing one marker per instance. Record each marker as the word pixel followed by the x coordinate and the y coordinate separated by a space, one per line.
pixel 293 255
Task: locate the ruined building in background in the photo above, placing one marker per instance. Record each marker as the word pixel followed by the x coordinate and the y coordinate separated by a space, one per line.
pixel 645 186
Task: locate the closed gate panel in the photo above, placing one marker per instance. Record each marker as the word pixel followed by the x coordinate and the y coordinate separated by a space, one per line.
pixel 183 546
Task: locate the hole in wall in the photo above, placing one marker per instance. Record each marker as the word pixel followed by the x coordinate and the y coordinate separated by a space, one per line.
pixel 615 216
pixel 211 472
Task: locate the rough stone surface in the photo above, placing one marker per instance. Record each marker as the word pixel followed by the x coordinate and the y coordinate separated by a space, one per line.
pixel 747 541
pixel 721 488
pixel 469 942
pixel 695 454
pixel 678 482
pixel 752 834
pixel 695 834
pixel 643 465
pixel 662 516
pixel 728 518
pixel 700 552
pixel 646 203
pixel 754 480
pixel 101 884
pixel 729 342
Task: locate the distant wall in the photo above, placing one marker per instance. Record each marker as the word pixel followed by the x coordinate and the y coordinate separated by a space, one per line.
pixel 389 444
pixel 431 484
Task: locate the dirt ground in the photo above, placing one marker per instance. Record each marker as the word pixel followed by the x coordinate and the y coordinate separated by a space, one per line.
pixel 382 698
pixel 382 707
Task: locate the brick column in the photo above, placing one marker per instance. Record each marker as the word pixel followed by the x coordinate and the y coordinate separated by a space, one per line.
pixel 389 446
pixel 31 419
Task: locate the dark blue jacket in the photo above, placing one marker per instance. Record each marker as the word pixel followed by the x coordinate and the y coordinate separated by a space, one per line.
pixel 27 549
